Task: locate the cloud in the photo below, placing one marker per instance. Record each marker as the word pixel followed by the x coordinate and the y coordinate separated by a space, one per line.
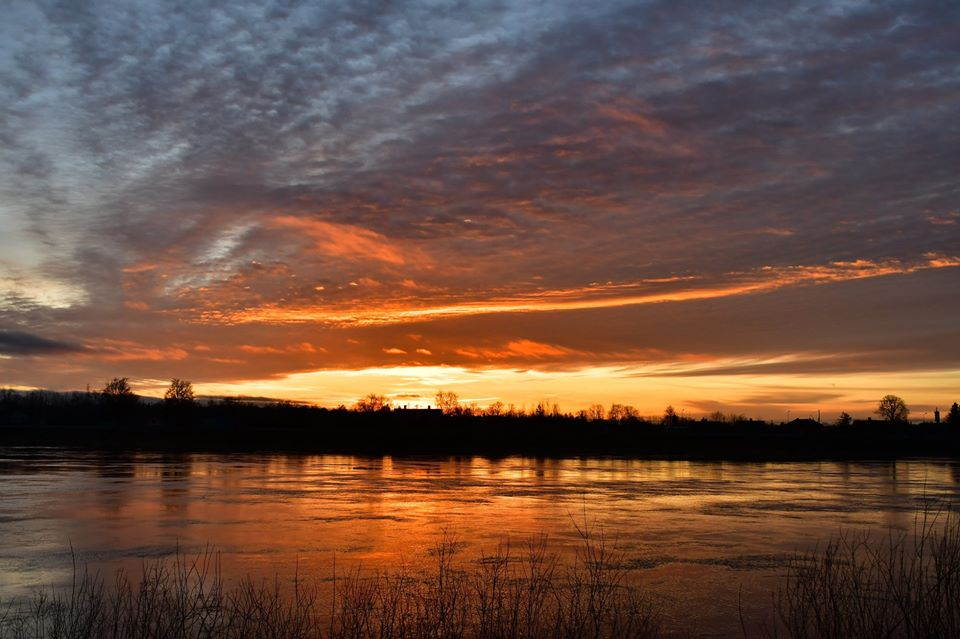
pixel 261 350
pixel 790 397
pixel 600 296
pixel 524 349
pixel 25 292
pixel 660 182
pixel 19 343
pixel 117 350
pixel 348 241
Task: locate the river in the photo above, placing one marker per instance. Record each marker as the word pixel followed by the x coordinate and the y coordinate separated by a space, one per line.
pixel 702 537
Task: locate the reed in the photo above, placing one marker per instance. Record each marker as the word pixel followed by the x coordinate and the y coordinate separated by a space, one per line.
pixel 856 585
pixel 509 593
pixel 901 585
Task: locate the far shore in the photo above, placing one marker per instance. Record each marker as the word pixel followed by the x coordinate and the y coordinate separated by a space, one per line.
pixel 227 427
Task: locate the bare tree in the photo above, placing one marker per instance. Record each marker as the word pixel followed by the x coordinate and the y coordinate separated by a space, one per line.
pixel 892 409
pixel 118 392
pixel 372 403
pixel 495 409
pixel 448 402
pixel 179 392
pixel 622 412
pixel 117 387
pixel 596 411
pixel 670 417
pixel 540 410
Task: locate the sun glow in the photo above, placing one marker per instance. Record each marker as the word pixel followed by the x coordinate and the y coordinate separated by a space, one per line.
pixel 647 387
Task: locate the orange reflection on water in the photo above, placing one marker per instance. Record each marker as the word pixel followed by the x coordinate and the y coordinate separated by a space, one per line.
pixel 693 532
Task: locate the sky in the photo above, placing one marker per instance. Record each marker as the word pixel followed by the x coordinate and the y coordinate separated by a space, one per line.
pixel 741 206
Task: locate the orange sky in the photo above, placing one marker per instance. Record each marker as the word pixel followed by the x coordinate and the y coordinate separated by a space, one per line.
pixel 794 341
pixel 747 209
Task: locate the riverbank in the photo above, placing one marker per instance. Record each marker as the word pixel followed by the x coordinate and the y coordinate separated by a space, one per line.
pixel 99 422
pixel 227 429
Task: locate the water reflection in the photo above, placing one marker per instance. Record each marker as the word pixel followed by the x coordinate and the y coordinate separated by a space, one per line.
pixel 693 531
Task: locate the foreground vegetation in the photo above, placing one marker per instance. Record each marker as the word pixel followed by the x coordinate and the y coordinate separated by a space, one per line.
pixel 862 585
pixel 856 586
pixel 504 595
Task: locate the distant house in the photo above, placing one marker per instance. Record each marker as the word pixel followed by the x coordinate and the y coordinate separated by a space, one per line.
pixel 429 411
pixel 804 423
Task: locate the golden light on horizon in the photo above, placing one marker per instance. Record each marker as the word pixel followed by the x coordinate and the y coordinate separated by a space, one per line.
pixel 648 388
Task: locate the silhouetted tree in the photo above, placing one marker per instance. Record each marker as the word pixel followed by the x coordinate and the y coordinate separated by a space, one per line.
pixel 727 418
pixel 670 417
pixel 118 394
pixel 372 403
pixel 892 409
pixel 179 392
pixel 953 417
pixel 844 419
pixel 540 410
pixel 117 387
pixel 622 412
pixel 495 409
pixel 448 402
pixel 8 396
pixel 596 411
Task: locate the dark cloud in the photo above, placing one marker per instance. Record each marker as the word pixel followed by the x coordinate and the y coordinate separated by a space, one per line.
pixel 20 343
pixel 154 154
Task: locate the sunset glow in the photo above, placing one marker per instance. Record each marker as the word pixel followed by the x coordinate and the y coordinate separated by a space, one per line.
pixel 751 208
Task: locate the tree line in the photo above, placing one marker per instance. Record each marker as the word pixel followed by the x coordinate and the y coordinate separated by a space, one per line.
pixel 180 392
pixel 890 408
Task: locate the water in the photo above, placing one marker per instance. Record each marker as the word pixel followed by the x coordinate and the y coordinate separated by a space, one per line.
pixel 702 537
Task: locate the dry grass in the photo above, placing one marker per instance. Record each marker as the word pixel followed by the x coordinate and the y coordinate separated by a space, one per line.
pixel 862 586
pixel 858 585
pixel 504 595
